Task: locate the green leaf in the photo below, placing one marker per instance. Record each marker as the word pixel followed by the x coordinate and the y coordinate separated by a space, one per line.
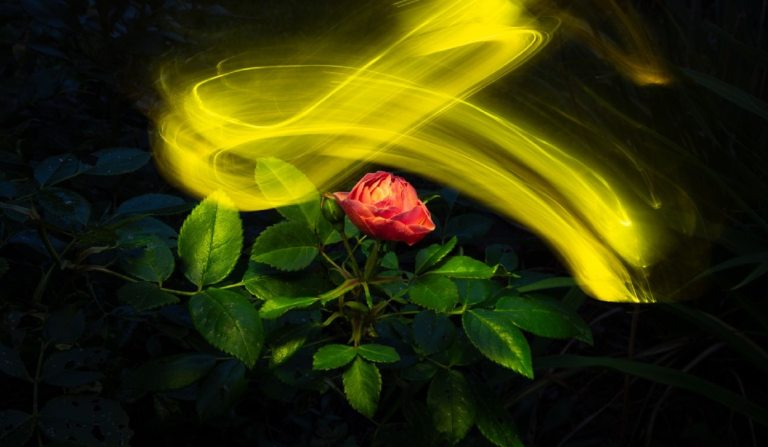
pixel 276 307
pixel 265 283
pixel 289 342
pixel 434 292
pixel 729 92
pixel 11 364
pixel 133 233
pixel 221 389
pixel 504 255
pixel 495 335
pixel 433 332
pixel 16 428
pixel 476 291
pixel 389 261
pixel 464 267
pixel 88 421
pixel 286 246
pixel 461 352
pixel 547 283
pixel 118 160
pixel 152 203
pixel 544 316
pixel 3 267
pixel 467 227
pixel 210 240
pixel 74 367
pixel 282 183
pixel 64 208
pixel 452 405
pixel 378 353
pixel 228 321
pixel 145 296
pixel 8 189
pixel 153 262
pixel 666 376
pixel 362 386
pixel 427 257
pixel 333 356
pixel 494 421
pixel 56 169
pixel 735 338
pixel 170 373
pixel 64 326
pixel 759 271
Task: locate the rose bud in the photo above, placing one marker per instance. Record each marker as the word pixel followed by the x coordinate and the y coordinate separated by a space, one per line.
pixel 331 210
pixel 386 207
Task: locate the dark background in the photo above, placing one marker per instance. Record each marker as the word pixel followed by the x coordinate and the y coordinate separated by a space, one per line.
pixel 78 77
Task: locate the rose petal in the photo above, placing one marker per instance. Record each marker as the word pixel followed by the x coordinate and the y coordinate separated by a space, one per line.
pixel 419 215
pixel 385 206
pixel 340 196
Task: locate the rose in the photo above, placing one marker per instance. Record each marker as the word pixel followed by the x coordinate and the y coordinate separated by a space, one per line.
pixel 386 207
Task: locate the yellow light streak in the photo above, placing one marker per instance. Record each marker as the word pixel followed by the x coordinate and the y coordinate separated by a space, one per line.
pixel 405 104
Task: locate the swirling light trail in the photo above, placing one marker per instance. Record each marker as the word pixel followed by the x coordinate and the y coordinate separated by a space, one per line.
pixel 405 105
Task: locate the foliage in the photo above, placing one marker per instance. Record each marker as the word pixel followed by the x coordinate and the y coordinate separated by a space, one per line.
pixel 131 314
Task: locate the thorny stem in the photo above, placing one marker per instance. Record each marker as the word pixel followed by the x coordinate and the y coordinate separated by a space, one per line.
pixel 36 383
pixel 630 355
pixel 340 290
pixel 370 263
pixel 98 268
pixel 48 245
pixel 350 254
pixel 335 266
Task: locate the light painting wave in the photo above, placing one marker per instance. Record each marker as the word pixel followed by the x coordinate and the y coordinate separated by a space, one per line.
pixel 405 103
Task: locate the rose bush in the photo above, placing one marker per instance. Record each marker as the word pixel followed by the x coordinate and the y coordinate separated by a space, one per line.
pixel 386 207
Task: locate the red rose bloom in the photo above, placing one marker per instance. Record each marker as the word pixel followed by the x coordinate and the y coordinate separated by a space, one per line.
pixel 386 207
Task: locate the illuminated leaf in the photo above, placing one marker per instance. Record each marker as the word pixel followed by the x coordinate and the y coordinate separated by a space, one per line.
pixel 228 321
pixel 266 283
pixel 276 307
pixel 544 317
pixel 434 292
pixel 362 386
pixel 495 335
pixel 452 405
pixel 286 246
pixel 210 240
pixel 145 296
pixel 289 342
pixel 281 182
pixel 547 283
pixel 464 267
pixel 333 356
pixel 427 257
pixel 378 353
pixel 476 291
